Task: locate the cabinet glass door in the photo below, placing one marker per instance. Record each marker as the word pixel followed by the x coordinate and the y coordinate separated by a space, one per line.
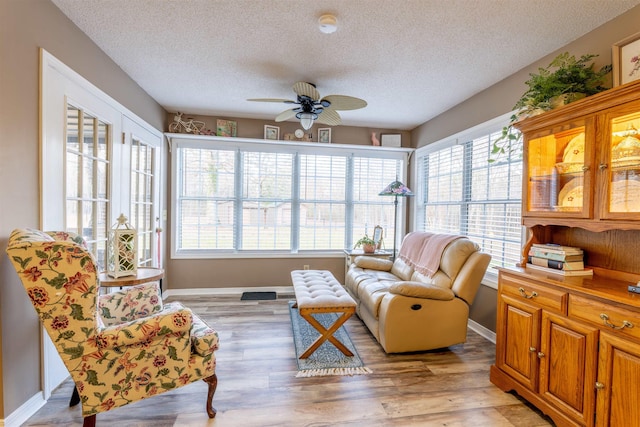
pixel 622 197
pixel 557 171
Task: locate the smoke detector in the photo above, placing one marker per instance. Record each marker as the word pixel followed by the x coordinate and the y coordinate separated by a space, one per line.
pixel 328 24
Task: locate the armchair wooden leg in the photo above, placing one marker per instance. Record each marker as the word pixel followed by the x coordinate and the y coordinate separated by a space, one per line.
pixel 213 384
pixel 75 397
pixel 89 421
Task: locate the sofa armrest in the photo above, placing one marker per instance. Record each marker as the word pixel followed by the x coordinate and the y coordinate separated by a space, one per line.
pixel 373 263
pixel 172 321
pixel 421 290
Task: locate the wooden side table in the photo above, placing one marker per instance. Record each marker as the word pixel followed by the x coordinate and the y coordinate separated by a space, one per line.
pixel 350 256
pixel 143 275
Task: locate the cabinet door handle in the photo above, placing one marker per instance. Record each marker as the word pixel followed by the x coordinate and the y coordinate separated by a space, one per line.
pixel 532 349
pixel 602 166
pixel 540 355
pixel 605 320
pixel 524 293
pixel 585 168
pixel 599 385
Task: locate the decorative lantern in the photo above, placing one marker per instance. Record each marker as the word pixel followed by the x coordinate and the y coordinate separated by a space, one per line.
pixel 122 249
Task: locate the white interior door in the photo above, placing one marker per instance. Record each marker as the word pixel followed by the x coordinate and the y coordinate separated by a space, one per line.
pixel 78 131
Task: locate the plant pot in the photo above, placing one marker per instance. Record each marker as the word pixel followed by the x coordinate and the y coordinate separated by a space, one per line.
pixel 565 98
pixel 368 249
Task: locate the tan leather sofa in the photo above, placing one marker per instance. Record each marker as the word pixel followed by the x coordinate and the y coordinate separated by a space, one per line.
pixel 407 310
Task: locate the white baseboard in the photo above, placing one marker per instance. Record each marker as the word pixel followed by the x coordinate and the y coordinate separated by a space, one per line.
pixel 482 331
pixel 226 291
pixel 25 411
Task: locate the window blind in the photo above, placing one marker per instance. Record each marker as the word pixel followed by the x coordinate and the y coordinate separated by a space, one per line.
pixel 235 197
pixel 461 192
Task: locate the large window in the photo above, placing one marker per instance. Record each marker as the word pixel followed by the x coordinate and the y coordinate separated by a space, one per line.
pixel 462 192
pixel 262 197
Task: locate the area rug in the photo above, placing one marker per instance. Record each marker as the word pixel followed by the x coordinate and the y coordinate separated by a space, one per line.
pixel 257 296
pixel 327 359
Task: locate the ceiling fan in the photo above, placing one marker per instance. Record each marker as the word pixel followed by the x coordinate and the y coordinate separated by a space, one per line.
pixel 310 107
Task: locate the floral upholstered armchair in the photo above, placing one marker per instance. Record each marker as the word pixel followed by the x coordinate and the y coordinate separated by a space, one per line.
pixel 121 347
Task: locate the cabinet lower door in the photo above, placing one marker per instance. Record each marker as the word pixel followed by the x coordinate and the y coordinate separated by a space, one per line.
pixel 568 365
pixel 517 340
pixel 618 401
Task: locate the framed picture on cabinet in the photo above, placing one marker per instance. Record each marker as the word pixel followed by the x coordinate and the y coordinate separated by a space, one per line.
pixel 324 135
pixel 271 132
pixel 377 236
pixel 391 140
pixel 626 60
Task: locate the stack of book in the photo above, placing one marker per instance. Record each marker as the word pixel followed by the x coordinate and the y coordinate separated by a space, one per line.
pixel 564 260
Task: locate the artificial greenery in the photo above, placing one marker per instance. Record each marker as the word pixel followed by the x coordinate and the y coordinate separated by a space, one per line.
pixel 565 76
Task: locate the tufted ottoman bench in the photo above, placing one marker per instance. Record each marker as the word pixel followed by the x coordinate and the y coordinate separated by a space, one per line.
pixel 317 291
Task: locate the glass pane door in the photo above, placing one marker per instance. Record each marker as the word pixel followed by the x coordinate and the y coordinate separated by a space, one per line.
pixel 87 177
pixel 143 215
pixel 557 166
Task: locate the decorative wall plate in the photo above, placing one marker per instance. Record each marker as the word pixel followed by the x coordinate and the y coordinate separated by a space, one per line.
pixel 571 194
pixel 574 151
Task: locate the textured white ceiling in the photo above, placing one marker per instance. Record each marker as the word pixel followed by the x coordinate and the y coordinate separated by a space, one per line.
pixel 410 59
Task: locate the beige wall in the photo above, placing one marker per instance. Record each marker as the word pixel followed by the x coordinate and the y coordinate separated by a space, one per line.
pixel 500 99
pixel 27 25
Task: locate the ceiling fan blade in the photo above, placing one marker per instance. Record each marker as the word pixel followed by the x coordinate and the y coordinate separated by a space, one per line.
pixel 287 101
pixel 286 115
pixel 329 117
pixel 306 89
pixel 343 102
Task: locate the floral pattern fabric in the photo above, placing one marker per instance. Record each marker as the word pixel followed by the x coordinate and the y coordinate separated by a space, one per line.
pixel 131 303
pixel 139 349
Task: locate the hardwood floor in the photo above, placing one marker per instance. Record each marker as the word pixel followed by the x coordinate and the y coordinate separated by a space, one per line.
pixel 257 384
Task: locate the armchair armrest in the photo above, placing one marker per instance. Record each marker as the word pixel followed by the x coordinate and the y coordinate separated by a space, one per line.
pixel 130 303
pixel 421 290
pixel 175 319
pixel 373 263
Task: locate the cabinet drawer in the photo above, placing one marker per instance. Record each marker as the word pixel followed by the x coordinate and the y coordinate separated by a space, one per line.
pixel 536 293
pixel 617 320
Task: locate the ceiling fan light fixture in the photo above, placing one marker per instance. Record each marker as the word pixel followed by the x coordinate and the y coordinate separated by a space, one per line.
pixel 328 23
pixel 306 120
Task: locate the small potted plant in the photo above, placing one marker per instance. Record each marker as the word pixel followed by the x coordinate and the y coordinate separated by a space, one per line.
pixel 367 243
pixel 565 80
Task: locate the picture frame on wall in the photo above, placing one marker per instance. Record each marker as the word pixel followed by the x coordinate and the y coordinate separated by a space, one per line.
pixel 226 127
pixel 626 60
pixel 271 132
pixel 391 140
pixel 324 135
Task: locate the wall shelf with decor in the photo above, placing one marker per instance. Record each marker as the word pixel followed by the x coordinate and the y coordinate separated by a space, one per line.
pixel 568 344
pixel 171 137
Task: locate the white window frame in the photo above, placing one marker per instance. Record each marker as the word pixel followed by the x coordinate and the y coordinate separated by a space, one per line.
pixel 478 131
pixel 178 141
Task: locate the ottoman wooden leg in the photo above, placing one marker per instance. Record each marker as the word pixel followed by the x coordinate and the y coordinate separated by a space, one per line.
pixel 325 334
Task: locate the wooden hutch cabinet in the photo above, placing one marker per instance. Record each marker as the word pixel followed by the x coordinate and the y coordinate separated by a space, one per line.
pixel 571 344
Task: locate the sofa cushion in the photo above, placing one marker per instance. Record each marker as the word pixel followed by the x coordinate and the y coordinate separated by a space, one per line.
pixel 374 263
pixel 401 269
pixel 370 293
pixel 421 290
pixel 455 255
